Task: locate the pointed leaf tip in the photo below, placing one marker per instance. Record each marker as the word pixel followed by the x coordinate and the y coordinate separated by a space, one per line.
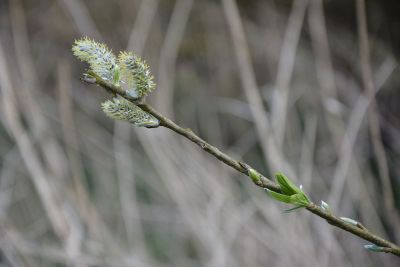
pixel 287 186
pixel 277 196
pixel 293 209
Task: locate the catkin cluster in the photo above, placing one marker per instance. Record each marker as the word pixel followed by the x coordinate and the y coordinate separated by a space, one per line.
pixel 128 71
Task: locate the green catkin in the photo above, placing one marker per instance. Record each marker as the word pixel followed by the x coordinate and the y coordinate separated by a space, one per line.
pixel 101 59
pixel 128 71
pixel 121 109
pixel 136 78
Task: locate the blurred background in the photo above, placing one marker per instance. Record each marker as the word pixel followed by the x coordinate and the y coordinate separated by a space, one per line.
pixel 291 86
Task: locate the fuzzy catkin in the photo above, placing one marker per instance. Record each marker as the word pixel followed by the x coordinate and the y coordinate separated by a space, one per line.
pixel 121 109
pixel 101 59
pixel 136 78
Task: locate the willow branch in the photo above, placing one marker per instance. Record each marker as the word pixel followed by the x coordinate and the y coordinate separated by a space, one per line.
pixel 356 229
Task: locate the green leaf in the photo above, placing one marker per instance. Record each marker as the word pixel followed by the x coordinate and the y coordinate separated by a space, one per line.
pixel 299 199
pixel 287 186
pixel 277 196
pixel 290 192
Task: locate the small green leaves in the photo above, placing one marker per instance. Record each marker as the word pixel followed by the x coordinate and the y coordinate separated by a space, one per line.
pixel 280 197
pixel 374 248
pixel 287 186
pixel 291 194
pixel 136 78
pixel 300 199
pixel 101 60
pixel 121 109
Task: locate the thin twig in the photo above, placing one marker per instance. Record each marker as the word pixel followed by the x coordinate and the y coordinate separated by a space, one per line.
pixel 264 182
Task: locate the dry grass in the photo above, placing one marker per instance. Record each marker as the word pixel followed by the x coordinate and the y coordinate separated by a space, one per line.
pixel 270 84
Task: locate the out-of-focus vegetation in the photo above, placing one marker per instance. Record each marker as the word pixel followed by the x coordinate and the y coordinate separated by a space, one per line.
pixel 79 189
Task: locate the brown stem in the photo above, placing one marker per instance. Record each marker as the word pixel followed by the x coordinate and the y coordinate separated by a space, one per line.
pixel 263 182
